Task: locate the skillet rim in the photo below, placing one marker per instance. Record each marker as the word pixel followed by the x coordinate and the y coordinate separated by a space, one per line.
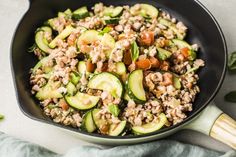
pixel 156 133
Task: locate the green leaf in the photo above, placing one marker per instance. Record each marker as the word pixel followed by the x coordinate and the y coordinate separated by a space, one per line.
pixel 134 51
pixel 1 117
pixel 105 30
pixel 232 61
pixel 231 96
pixel 114 109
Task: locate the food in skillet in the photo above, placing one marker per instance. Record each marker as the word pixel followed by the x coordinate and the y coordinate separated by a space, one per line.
pixel 115 70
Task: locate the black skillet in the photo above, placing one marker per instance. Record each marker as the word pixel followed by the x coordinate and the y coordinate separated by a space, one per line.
pixel 203 30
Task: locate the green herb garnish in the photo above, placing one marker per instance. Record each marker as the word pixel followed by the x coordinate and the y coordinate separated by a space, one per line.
pixel 232 61
pixel 231 96
pixel 134 51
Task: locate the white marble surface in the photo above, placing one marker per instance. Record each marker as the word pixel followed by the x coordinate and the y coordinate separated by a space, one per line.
pixel 18 125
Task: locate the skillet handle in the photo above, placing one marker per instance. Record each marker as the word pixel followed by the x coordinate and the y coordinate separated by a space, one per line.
pixel 213 122
pixel 224 130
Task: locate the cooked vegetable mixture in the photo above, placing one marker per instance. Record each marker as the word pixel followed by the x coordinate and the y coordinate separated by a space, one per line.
pixel 115 70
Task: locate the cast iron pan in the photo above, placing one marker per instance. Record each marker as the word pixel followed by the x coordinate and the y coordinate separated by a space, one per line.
pixel 203 30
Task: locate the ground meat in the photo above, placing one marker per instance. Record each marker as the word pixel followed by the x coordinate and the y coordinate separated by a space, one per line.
pixel 167 94
pixel 68 117
pixel 141 114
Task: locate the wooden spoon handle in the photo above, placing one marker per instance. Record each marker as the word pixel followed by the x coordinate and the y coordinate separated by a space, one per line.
pixel 224 130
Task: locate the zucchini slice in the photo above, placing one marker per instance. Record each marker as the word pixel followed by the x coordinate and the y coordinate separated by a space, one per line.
pixel 91 36
pixel 88 37
pixel 71 89
pixel 126 96
pixel 172 27
pixel 40 64
pixel 88 123
pixel 135 86
pixel 49 91
pixel 109 20
pixel 40 39
pixel 163 54
pixel 80 13
pixel 107 82
pixel 146 10
pixel 51 23
pixel 109 42
pixel 65 33
pixel 82 67
pixel 97 120
pixel 113 12
pixel 151 127
pixel 114 129
pixel 117 129
pixel 120 68
pixel 82 101
pixel 182 44
pixel 66 14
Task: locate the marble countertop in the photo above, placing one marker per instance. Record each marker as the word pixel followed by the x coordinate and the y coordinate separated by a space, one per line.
pixel 18 125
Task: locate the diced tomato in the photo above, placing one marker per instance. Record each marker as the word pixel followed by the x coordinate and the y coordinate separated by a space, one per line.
pixel 165 66
pixel 90 67
pixel 146 38
pixel 154 62
pixel 185 52
pixel 63 104
pixel 143 64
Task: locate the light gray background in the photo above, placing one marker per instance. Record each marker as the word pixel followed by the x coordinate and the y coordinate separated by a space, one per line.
pixel 18 125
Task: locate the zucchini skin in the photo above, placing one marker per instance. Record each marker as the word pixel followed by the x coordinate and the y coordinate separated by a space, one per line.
pixel 118 130
pixel 131 95
pixel 113 74
pixel 80 13
pixel 41 42
pixel 150 127
pixel 130 92
pixel 76 101
pixel 112 20
pixel 113 12
pixel 84 126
